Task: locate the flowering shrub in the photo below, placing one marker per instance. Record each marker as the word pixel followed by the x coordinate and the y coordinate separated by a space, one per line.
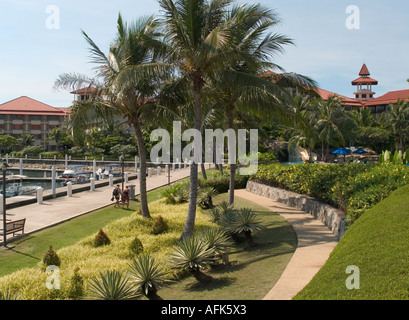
pixel 353 187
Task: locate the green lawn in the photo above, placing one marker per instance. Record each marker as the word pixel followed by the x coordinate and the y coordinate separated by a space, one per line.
pixel 377 243
pixel 28 251
pixel 252 274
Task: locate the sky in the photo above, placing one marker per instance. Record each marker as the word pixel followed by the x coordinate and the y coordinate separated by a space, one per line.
pixel 41 39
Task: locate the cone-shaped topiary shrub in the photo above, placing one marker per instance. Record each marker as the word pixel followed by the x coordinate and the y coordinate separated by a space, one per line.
pixel 101 239
pixel 136 247
pixel 159 226
pixel 50 258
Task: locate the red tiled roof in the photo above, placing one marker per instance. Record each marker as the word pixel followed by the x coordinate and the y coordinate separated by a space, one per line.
pixel 324 94
pixel 364 71
pixel 364 80
pixel 389 97
pixel 26 105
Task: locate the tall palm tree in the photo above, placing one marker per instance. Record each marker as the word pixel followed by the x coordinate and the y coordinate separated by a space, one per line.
pixel 198 33
pixel 129 76
pixel 241 86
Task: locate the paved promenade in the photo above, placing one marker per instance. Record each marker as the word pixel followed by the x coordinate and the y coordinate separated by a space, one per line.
pixel 315 243
pixel 315 240
pixel 55 210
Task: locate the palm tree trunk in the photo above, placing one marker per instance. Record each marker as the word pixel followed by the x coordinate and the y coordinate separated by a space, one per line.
pixel 191 213
pixel 142 180
pixel 200 276
pixel 232 165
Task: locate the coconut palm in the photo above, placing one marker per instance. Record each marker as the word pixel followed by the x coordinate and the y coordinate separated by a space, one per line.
pixel 198 35
pixel 397 120
pixel 148 275
pixel 111 285
pixel 193 255
pixel 129 76
pixel 244 86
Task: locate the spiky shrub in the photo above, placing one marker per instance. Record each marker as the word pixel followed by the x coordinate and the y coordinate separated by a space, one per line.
pixel 216 239
pixel 243 221
pixel 76 286
pixel 193 255
pixel 136 247
pixel 51 258
pixel 217 213
pixel 148 275
pixel 176 193
pixel 111 285
pixel 159 225
pixel 101 239
pixel 205 197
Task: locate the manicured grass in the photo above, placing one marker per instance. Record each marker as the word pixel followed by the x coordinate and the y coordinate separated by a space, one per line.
pixel 377 243
pixel 28 251
pixel 252 274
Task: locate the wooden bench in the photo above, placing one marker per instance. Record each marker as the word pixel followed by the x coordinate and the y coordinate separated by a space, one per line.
pixel 14 226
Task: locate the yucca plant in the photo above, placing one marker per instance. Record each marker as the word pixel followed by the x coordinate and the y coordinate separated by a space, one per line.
pixel 111 285
pixel 205 197
pixel 243 221
pixel 193 255
pixel 218 240
pixel 148 275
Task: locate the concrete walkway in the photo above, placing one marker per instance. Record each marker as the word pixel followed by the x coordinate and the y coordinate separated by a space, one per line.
pixel 315 243
pixel 59 209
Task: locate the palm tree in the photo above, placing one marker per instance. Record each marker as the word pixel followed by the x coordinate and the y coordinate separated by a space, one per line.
pixel 241 86
pixel 26 140
pixel 198 35
pixel 130 77
pixel 398 121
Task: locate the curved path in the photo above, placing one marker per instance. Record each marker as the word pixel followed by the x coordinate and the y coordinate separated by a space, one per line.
pixel 315 243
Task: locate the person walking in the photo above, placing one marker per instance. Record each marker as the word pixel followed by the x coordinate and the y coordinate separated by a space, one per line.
pixel 116 195
pixel 125 197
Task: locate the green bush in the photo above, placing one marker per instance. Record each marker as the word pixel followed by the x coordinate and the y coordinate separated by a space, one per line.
pixel 76 286
pixel 51 258
pixel 32 151
pixel 352 187
pixel 136 247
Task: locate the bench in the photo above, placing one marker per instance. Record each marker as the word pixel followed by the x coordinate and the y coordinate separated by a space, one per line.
pixel 14 226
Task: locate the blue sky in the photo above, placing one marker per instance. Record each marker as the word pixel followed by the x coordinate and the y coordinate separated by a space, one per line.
pixel 32 55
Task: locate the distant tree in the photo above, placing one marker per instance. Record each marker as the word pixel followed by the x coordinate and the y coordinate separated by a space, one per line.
pixel 6 142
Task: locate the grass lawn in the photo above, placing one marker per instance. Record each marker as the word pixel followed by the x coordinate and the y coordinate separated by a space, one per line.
pixel 377 243
pixel 253 271
pixel 252 274
pixel 28 251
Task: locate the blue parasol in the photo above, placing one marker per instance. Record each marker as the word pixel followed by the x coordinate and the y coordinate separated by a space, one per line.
pixel 360 151
pixel 343 151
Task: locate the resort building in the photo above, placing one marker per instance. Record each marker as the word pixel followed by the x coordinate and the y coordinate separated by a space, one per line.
pixel 26 115
pixel 364 96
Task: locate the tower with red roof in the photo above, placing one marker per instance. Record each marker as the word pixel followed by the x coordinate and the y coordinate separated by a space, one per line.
pixel 364 85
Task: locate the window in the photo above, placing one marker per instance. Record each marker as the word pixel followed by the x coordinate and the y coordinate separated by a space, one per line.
pixel 35 117
pixel 53 118
pixel 36 127
pixel 364 95
pixel 17 127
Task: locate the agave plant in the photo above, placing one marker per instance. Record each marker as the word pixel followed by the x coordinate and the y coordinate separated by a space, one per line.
pixel 205 196
pixel 243 221
pixel 111 285
pixel 148 275
pixel 216 239
pixel 192 254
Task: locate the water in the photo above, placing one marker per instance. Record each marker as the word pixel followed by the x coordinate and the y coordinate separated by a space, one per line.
pixel 34 173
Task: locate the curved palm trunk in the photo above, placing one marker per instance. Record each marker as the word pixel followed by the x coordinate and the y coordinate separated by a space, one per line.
pixel 191 213
pixel 142 180
pixel 153 294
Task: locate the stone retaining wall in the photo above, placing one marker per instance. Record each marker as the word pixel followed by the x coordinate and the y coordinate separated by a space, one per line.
pixel 333 218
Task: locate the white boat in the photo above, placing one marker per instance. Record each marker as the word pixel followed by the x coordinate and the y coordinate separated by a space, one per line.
pixel 72 171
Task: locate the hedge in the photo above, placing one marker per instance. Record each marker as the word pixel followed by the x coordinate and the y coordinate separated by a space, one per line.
pixel 351 187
